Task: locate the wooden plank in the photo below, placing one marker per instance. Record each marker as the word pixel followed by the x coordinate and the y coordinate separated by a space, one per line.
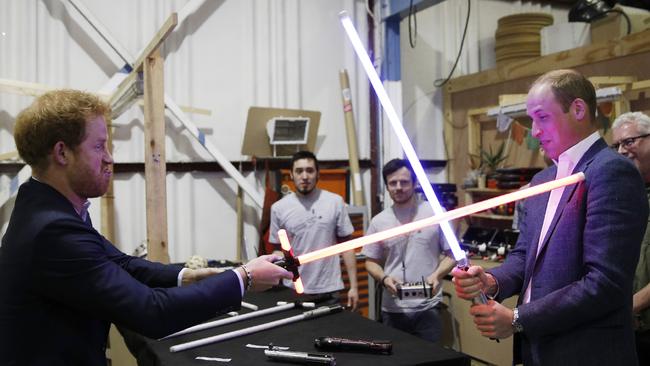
pixel 351 135
pixel 156 41
pixel 605 81
pixel 11 155
pixel 107 203
pixel 633 91
pixel 23 87
pixel 507 99
pixel 239 203
pixel 155 169
pixel 629 45
pixel 473 137
pixel 126 94
pixel 36 89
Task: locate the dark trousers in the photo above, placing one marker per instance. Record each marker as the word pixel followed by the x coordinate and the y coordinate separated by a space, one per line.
pixel 424 324
pixel 643 347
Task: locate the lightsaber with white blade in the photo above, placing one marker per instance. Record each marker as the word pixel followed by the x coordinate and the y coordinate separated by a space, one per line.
pixel 323 310
pixel 378 86
pixel 220 322
pixel 382 95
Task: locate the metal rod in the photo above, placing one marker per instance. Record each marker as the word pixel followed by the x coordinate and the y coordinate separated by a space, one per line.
pixel 324 310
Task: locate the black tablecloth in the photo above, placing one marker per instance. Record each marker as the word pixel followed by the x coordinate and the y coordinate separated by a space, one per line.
pixel 407 349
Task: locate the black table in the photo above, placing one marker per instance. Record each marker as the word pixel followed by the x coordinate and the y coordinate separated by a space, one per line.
pixel 407 349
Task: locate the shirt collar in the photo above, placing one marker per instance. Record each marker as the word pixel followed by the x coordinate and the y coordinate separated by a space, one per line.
pixel 573 154
pixel 84 210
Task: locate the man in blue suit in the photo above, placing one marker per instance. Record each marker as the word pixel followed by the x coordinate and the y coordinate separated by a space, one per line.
pixel 61 282
pixel 574 262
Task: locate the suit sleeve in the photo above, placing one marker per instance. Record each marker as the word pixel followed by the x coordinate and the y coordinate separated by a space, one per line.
pixel 75 267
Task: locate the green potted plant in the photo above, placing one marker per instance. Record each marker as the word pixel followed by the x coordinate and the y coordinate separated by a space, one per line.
pixel 490 161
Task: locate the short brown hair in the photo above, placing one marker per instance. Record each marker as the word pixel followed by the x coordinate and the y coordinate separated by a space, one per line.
pixel 567 86
pixel 59 115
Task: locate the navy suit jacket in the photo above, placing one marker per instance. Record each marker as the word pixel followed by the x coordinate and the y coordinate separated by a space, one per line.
pixel 62 284
pixel 580 309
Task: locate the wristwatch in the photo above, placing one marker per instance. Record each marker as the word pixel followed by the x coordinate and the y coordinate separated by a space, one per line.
pixel 516 325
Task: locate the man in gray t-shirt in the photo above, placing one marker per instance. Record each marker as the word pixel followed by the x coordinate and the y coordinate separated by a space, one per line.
pixel 315 219
pixel 412 257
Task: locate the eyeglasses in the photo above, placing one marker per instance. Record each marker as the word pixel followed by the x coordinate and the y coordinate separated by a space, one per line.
pixel 628 142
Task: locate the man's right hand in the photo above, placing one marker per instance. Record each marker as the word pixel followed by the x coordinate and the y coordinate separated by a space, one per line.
pixel 264 273
pixel 470 283
pixel 391 285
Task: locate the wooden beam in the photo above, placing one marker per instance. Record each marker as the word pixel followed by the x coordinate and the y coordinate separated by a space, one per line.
pixel 155 169
pixel 629 45
pixel 156 41
pixel 474 119
pixel 605 81
pixel 107 203
pixel 239 204
pixel 632 91
pixel 351 134
pixel 11 155
pixel 35 89
pixel 126 93
pixel 23 87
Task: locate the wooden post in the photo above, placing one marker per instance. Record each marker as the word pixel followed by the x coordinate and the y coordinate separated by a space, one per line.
pixel 108 199
pixel 154 156
pixel 351 133
pixel 240 222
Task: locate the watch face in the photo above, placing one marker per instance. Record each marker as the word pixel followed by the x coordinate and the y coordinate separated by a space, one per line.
pixel 517 327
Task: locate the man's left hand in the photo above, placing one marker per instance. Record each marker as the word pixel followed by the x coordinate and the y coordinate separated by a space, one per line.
pixel 434 282
pixel 493 320
pixel 353 299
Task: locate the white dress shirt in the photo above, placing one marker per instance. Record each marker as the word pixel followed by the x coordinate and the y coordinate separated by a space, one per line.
pixel 565 164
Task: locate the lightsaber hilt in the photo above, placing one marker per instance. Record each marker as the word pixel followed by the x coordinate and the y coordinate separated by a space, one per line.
pixel 481 298
pixel 290 263
pixel 305 358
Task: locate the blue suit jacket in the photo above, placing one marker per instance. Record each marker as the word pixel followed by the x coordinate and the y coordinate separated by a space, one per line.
pixel 62 284
pixel 580 312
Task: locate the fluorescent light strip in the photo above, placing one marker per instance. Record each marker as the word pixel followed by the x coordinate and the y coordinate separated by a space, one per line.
pixel 440 218
pixel 448 232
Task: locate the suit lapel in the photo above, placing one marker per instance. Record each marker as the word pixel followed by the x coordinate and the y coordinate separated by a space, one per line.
pixel 569 191
pixel 535 218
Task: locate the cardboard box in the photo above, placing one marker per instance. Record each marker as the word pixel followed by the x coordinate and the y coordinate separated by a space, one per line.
pixel 614 25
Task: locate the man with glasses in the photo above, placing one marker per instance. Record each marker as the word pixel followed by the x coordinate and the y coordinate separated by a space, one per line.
pixel 630 131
